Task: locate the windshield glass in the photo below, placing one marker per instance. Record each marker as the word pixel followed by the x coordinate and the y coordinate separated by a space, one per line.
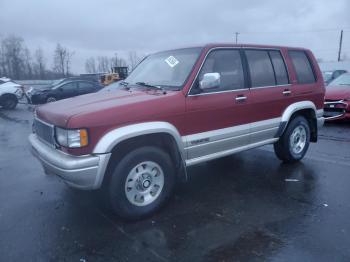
pixel 165 69
pixel 343 80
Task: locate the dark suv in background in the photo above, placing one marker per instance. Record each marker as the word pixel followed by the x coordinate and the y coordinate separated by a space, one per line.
pixel 64 89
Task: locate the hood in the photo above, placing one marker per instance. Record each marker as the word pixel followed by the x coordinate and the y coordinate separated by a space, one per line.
pixel 97 105
pixel 337 92
pixel 9 84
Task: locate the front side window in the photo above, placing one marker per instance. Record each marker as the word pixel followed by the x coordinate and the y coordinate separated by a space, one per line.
pixel 260 68
pixel 168 69
pixel 69 87
pixel 228 64
pixel 302 66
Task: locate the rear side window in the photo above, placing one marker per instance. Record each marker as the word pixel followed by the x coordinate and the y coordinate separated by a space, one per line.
pixel 279 67
pixel 302 66
pixel 87 87
pixel 260 68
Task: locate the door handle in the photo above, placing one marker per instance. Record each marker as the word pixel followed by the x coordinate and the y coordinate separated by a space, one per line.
pixel 286 92
pixel 241 98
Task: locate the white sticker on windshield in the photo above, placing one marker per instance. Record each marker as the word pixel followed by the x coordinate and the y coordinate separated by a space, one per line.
pixel 171 61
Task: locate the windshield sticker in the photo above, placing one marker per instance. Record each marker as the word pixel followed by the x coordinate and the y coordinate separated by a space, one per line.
pixel 171 61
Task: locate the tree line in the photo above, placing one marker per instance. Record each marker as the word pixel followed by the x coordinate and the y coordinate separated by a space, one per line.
pixel 18 62
pixel 101 64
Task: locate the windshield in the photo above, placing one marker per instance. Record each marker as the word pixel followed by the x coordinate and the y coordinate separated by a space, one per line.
pixel 165 69
pixel 343 80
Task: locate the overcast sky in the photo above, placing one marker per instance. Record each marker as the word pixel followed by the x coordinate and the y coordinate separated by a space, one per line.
pixel 93 28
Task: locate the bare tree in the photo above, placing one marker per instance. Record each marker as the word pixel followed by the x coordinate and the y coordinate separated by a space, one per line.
pixel 103 64
pixel 90 66
pixel 40 63
pixel 12 53
pixel 27 64
pixel 117 61
pixel 134 59
pixel 62 60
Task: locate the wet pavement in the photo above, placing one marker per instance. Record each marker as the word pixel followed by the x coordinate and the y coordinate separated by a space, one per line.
pixel 248 207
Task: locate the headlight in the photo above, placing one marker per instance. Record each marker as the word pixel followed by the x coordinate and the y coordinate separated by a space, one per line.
pixel 18 92
pixel 71 138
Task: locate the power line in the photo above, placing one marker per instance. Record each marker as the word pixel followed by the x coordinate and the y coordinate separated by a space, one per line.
pixel 297 32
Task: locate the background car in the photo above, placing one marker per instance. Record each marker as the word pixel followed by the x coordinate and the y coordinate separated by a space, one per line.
pixel 64 89
pixel 329 76
pixel 337 98
pixel 10 93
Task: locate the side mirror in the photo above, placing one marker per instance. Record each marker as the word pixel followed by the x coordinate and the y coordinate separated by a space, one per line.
pixel 209 81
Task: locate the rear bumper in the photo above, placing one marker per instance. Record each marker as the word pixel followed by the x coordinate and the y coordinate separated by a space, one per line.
pixel 83 172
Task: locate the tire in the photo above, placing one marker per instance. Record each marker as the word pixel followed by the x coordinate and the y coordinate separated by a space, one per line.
pixel 294 143
pixel 51 99
pixel 141 183
pixel 9 102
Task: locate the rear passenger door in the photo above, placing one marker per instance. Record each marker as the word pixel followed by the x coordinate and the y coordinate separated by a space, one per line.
pixel 270 91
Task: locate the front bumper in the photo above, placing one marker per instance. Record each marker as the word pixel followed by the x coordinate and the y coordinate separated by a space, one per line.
pixel 336 110
pixel 83 172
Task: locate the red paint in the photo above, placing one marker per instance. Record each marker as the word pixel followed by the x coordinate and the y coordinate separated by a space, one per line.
pixel 337 93
pixel 102 112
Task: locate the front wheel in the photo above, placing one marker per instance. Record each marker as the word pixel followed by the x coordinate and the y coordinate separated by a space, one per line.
pixel 9 102
pixel 141 182
pixel 51 99
pixel 294 143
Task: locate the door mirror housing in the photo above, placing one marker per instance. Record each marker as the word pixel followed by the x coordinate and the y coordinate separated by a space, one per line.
pixel 210 81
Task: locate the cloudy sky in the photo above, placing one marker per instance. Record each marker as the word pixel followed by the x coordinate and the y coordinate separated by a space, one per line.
pixel 103 27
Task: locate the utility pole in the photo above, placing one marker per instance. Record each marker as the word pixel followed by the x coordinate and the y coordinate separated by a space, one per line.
pixel 237 37
pixel 340 44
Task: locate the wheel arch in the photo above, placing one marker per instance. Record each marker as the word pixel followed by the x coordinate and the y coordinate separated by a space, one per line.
pixel 303 108
pixel 161 134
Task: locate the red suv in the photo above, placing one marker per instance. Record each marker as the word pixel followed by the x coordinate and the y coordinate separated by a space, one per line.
pixel 179 108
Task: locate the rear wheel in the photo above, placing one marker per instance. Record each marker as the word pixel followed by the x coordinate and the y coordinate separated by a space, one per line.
pixel 141 182
pixel 9 101
pixel 294 143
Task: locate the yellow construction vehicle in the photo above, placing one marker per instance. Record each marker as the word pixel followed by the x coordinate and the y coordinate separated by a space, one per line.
pixel 118 73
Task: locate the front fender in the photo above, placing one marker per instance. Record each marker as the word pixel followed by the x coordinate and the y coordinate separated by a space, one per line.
pixel 114 137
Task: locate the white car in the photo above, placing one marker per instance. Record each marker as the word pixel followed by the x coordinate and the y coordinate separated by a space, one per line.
pixel 10 93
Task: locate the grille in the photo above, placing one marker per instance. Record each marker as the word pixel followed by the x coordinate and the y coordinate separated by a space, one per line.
pixel 44 131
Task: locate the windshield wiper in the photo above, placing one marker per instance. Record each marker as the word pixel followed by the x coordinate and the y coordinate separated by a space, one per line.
pixel 149 85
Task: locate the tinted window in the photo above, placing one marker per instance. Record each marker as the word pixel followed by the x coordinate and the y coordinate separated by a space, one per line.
pixel 279 68
pixel 229 65
pixel 69 87
pixel 260 68
pixel 303 68
pixel 86 87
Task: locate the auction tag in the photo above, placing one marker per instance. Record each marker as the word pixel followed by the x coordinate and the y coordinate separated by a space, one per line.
pixel 171 61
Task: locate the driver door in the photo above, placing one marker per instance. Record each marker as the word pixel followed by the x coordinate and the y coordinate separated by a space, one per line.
pixel 217 119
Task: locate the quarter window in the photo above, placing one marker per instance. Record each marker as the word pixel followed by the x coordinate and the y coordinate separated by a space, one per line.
pixel 260 68
pixel 279 68
pixel 229 65
pixel 302 66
